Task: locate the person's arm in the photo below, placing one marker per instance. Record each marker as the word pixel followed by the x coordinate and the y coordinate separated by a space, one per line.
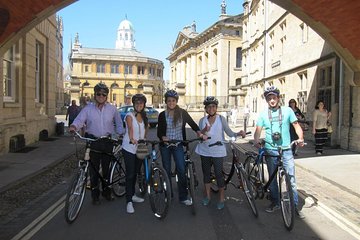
pixel 299 132
pixel 257 134
pixel 161 130
pixel 130 129
pixel 314 121
pixel 118 123
pixel 188 119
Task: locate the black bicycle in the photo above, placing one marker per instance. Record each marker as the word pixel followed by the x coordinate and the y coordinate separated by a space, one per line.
pixel 154 178
pixel 76 191
pixel 238 167
pixel 255 165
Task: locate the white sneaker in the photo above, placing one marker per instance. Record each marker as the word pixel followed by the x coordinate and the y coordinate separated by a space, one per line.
pixel 130 208
pixel 187 202
pixel 137 199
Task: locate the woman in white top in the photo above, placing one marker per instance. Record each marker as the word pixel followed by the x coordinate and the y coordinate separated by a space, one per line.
pixel 320 119
pixel 136 128
pixel 213 126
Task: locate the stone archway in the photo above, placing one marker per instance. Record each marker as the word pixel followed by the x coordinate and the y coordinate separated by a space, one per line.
pixel 337 21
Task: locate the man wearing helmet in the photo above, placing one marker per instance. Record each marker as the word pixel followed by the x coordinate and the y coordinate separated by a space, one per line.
pixel 214 126
pixel 276 120
pixel 136 129
pixel 100 119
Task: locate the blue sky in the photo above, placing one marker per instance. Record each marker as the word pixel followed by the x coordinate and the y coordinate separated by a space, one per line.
pixel 156 23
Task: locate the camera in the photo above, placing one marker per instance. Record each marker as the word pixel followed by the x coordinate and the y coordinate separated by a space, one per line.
pixel 276 136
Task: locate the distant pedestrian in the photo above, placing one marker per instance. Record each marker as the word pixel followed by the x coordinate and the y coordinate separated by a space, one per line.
pixel 72 112
pixel 246 115
pixel 301 119
pixel 234 112
pixel 320 128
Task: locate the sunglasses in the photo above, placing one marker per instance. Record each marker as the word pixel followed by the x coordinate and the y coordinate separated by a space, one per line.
pixel 101 94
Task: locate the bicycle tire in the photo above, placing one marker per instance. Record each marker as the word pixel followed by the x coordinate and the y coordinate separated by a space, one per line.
pixel 191 186
pixel 159 192
pixel 75 194
pixel 254 174
pixel 247 189
pixel 117 178
pixel 287 204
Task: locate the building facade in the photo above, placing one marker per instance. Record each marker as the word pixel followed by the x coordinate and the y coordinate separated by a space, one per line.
pixel 31 70
pixel 124 70
pixel 208 63
pixel 279 49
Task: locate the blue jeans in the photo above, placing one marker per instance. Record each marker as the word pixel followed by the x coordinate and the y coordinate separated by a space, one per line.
pixel 178 155
pixel 289 166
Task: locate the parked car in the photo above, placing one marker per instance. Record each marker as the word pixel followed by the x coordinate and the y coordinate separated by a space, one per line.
pixel 151 113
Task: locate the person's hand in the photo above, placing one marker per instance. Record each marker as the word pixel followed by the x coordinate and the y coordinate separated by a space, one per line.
pixel 300 142
pixel 72 129
pixel 257 144
pixel 313 131
pixel 241 133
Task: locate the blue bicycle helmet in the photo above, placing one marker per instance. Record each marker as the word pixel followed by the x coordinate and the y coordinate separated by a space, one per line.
pixel 171 93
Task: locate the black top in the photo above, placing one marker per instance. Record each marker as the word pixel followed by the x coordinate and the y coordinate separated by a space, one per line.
pixel 186 118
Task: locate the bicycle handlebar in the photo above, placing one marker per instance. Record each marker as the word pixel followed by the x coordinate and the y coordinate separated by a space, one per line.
pixel 77 134
pixel 232 139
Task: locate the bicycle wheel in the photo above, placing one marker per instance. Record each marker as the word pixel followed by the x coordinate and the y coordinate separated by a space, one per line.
pixel 117 178
pixel 191 186
pixel 286 200
pixel 255 176
pixel 159 192
pixel 247 189
pixel 75 194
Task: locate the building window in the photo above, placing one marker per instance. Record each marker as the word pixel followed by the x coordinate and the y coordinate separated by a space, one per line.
pixel 215 59
pixel 325 85
pixel 140 70
pixel 114 68
pixel 151 71
pixel 302 101
pixel 86 68
pixel 238 58
pixel 100 68
pixel 303 80
pixel 128 69
pixel 159 72
pixel 282 100
pixel 9 75
pixel 39 71
pixel 304 32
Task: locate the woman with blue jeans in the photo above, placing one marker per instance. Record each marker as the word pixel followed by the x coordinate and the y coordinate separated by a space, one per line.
pixel 171 126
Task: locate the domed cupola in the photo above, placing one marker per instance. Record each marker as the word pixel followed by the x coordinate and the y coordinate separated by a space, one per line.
pixel 125 35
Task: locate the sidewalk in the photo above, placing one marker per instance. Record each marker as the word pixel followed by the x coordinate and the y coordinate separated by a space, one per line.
pixel 337 166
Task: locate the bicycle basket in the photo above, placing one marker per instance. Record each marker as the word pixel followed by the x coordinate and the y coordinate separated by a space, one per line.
pixel 142 151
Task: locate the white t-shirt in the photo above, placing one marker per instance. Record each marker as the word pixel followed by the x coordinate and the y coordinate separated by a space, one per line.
pixel 216 133
pixel 139 133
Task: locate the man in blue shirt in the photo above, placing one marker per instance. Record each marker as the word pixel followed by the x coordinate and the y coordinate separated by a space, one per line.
pixel 276 121
pixel 100 119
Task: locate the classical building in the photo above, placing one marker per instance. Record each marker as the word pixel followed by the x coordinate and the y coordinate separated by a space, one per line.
pixel 31 70
pixel 208 63
pixel 279 49
pixel 123 69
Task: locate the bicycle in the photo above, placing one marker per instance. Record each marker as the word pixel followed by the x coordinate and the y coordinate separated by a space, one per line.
pixel 237 166
pixel 76 190
pixel 154 178
pixel 190 172
pixel 254 165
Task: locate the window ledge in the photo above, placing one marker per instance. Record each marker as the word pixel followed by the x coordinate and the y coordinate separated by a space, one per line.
pixel 12 105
